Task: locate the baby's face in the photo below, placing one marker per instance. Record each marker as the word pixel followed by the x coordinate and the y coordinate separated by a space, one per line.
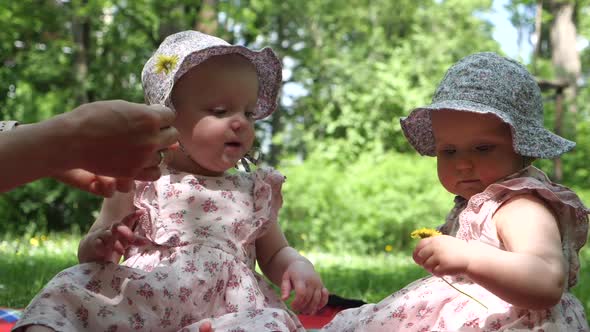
pixel 472 150
pixel 215 102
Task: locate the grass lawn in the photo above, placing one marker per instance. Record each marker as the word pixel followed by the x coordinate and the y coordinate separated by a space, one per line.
pixel 27 264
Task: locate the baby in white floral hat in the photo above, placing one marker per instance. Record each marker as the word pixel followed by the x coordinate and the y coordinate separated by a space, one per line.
pixel 191 240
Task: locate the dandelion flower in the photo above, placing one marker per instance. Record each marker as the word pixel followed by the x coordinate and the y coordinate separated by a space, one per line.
pixel 388 248
pixel 423 233
pixel 166 63
pixel 34 242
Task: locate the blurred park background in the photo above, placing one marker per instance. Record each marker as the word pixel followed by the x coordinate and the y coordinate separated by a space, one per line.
pixel 355 188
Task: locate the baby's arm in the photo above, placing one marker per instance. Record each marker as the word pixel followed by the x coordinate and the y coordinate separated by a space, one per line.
pixel 111 232
pixel 286 268
pixel 531 274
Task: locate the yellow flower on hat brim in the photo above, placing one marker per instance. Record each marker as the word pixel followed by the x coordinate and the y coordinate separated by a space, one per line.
pixel 166 63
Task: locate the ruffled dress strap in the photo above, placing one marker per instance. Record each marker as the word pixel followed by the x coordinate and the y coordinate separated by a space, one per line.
pixel 570 212
pixel 146 200
pixel 451 225
pixel 268 198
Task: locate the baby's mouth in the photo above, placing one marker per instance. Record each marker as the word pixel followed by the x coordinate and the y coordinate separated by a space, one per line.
pixel 233 144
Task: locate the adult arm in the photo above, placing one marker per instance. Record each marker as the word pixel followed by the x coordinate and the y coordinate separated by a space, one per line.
pixel 110 138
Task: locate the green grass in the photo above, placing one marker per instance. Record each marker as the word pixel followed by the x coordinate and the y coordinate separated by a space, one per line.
pixel 27 264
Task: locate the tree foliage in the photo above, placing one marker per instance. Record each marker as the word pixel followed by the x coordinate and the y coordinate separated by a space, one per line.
pixel 352 69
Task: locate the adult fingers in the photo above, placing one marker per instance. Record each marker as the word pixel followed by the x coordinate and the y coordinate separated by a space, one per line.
pixel 158 158
pixel 166 137
pixel 87 181
pixel 148 174
pixel 124 185
pixel 104 186
pixel 165 115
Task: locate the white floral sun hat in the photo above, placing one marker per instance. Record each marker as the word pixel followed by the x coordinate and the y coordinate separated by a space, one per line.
pixel 489 83
pixel 184 50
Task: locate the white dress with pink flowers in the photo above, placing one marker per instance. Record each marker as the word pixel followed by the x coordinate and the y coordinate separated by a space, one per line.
pixel 430 304
pixel 198 266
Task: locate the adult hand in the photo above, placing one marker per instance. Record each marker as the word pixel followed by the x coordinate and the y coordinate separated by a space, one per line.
pixel 118 138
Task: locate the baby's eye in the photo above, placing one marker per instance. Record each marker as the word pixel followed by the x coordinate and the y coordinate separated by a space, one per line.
pixel 218 110
pixel 484 148
pixel 448 152
pixel 249 114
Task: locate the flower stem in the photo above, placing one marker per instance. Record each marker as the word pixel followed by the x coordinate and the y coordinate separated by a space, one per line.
pixel 462 292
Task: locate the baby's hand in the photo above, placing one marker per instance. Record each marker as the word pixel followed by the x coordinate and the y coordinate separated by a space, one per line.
pixel 107 244
pixel 310 293
pixel 443 255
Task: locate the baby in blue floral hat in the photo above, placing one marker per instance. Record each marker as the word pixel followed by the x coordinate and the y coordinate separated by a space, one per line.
pixel 510 244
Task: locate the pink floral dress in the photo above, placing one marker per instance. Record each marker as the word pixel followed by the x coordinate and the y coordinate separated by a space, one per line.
pixel 199 265
pixel 429 304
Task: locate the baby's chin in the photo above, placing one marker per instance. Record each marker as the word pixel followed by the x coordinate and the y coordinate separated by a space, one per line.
pixel 194 166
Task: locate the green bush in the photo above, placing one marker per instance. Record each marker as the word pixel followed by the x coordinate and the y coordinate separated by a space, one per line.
pixel 365 206
pixel 46 205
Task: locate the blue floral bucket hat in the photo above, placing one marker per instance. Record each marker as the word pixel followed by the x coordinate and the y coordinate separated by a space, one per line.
pixel 489 83
pixel 184 50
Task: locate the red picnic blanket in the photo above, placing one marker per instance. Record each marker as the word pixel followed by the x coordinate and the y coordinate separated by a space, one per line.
pixel 9 316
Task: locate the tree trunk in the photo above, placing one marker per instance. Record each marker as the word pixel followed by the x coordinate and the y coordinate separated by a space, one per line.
pixel 276 118
pixel 566 61
pixel 564 54
pixel 538 32
pixel 81 34
pixel 207 22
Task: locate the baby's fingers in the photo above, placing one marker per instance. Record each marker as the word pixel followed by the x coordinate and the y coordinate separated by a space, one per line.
pixel 302 296
pixel 324 300
pixel 314 301
pixel 131 218
pixel 102 244
pixel 124 228
pixel 285 286
pixel 422 251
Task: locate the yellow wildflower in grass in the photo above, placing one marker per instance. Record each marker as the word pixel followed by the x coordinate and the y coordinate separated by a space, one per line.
pixel 422 233
pixel 388 248
pixel 34 242
pixel 166 63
